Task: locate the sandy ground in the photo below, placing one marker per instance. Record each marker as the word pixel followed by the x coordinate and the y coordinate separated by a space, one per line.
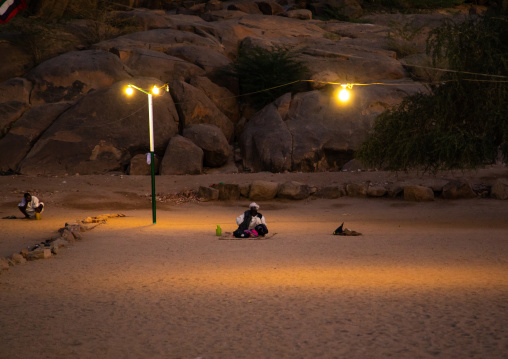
pixel 425 280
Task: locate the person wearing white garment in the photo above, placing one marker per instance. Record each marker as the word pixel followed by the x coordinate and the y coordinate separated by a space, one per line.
pixel 251 223
pixel 250 218
pixel 30 205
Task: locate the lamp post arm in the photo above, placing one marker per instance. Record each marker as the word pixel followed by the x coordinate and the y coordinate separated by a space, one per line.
pixel 139 89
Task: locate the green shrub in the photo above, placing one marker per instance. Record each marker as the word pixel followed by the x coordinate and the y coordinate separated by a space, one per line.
pixel 262 72
pixel 464 122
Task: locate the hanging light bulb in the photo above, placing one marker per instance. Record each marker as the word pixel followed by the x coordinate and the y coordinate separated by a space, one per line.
pixel 343 94
pixel 129 91
pixel 155 90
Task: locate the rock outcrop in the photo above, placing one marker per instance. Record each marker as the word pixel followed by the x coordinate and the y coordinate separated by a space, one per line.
pixel 69 114
pixel 194 107
pixel 102 132
pixel 69 76
pixel 212 141
pixel 182 156
pixel 15 145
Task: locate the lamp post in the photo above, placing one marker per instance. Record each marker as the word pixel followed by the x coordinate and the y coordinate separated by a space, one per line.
pixel 129 90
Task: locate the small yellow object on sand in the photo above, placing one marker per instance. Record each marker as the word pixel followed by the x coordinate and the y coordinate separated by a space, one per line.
pixel 37 216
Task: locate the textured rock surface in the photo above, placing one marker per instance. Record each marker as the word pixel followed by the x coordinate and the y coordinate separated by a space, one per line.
pixel 182 157
pixel 148 63
pixel 293 190
pixel 139 165
pixel 24 133
pixel 457 190
pixel 212 141
pixel 74 74
pixel 307 131
pixel 102 132
pixel 263 190
pixel 194 107
pixel 418 194
pixel 500 189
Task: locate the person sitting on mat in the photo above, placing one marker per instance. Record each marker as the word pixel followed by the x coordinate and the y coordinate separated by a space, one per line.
pixel 251 223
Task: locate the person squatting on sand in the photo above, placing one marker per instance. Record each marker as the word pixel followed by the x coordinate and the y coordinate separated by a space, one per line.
pixel 30 205
pixel 251 223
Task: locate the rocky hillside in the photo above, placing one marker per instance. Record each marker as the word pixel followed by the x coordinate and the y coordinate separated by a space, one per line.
pixel 70 114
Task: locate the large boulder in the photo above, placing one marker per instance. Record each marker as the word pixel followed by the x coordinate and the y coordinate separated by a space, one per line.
pixel 220 15
pixel 351 62
pixel 159 40
pixel 316 133
pixel 330 192
pixel 376 190
pixel 347 9
pixel 19 140
pixel 74 74
pixel 270 8
pixel 15 60
pixel 300 14
pixel 263 190
pixel 15 89
pixel 289 32
pixel 228 191
pixel 182 157
pixel 500 189
pixel 356 190
pixel 102 131
pixel 139 165
pixel 246 7
pixel 194 107
pixel 206 58
pixel 212 141
pixel 418 194
pixel 10 112
pixel 458 189
pixel 374 36
pixel 144 18
pixel 148 63
pixel 208 193
pixel 408 31
pixel 266 142
pixel 224 99
pixel 293 190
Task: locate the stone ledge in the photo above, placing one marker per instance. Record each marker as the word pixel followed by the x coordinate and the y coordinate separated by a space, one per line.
pixel 70 233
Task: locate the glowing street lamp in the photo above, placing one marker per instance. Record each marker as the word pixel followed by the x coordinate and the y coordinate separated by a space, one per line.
pixel 129 91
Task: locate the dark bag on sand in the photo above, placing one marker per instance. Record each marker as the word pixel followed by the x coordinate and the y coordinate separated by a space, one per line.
pixel 339 230
pixel 240 234
pixel 261 229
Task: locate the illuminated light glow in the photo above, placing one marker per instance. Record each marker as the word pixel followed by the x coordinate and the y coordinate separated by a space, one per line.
pixel 129 91
pixel 155 90
pixel 343 95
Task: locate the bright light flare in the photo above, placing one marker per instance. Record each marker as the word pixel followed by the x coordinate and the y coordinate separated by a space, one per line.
pixel 155 90
pixel 129 90
pixel 343 95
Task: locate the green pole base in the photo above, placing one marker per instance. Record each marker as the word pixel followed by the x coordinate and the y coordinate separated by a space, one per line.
pixel 152 170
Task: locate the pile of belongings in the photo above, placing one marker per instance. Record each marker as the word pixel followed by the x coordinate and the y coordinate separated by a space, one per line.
pixel 341 231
